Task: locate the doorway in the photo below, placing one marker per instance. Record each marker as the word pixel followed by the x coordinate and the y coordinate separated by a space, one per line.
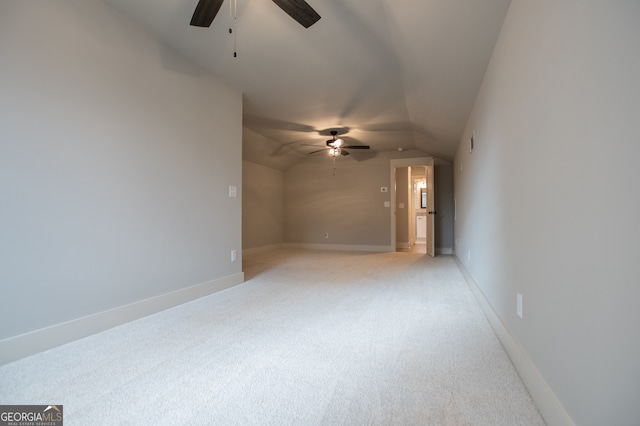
pixel 413 205
pixel 418 212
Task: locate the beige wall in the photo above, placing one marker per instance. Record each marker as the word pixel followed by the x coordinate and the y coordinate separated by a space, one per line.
pixel 349 205
pixel 547 203
pixel 402 206
pixel 262 206
pixel 443 175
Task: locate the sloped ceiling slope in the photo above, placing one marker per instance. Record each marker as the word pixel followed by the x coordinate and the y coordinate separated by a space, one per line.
pixel 391 73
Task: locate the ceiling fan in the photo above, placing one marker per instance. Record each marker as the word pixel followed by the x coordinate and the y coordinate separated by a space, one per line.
pixel 337 147
pixel 299 10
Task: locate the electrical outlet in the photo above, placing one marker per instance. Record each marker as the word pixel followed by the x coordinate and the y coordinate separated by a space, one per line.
pixel 384 189
pixel 519 305
pixel 326 235
pixel 234 255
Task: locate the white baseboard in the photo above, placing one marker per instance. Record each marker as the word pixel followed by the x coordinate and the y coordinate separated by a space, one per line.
pixel 444 250
pixel 261 249
pixel 343 247
pixel 340 247
pixel 21 346
pixel 550 407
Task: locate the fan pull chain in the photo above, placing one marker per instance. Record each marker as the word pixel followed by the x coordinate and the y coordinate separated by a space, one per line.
pixel 233 18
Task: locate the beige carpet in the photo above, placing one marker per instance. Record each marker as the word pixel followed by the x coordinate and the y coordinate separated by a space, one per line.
pixel 312 338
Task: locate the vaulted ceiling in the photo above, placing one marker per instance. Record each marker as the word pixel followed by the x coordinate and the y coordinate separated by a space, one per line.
pixel 393 73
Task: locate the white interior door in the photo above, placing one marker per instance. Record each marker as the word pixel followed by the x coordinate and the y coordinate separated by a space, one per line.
pixel 431 211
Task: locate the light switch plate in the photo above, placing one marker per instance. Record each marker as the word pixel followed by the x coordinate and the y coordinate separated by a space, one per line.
pixel 233 191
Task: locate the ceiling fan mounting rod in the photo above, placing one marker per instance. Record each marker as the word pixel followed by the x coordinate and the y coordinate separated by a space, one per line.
pixel 233 17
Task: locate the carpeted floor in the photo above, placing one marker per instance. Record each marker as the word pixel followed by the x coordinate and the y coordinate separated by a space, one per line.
pixel 312 338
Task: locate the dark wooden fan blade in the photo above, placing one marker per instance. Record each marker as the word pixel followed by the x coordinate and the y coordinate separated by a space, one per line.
pixel 343 152
pixel 205 11
pixel 300 11
pixel 356 146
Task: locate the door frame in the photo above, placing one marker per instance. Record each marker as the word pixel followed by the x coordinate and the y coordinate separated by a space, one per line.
pixel 395 164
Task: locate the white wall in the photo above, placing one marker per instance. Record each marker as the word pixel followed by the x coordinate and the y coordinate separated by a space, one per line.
pixel 262 206
pixel 116 155
pixel 547 203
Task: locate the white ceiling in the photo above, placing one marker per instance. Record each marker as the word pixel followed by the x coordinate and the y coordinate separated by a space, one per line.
pixel 395 73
